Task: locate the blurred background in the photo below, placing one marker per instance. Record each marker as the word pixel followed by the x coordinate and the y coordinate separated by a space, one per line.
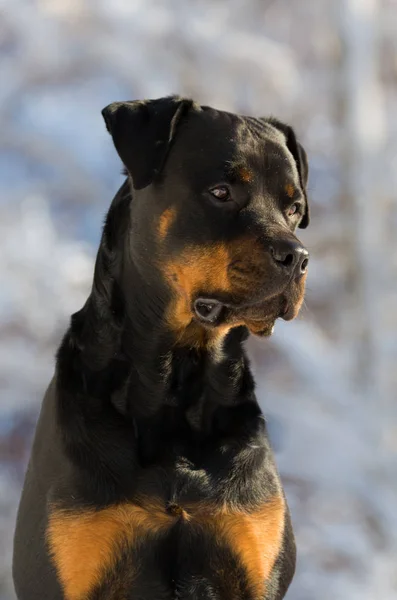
pixel 327 381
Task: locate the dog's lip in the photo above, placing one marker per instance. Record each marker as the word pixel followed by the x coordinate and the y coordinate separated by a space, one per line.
pixel 207 310
pixel 289 311
pixel 259 319
pixel 254 312
pixel 236 305
pixel 261 329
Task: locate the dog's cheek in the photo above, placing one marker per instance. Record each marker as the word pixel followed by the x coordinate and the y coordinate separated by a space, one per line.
pixel 198 270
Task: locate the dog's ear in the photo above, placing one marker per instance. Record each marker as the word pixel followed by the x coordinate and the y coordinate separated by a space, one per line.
pixel 300 156
pixel 142 132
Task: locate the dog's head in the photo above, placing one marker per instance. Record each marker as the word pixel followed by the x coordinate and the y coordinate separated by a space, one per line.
pixel 216 202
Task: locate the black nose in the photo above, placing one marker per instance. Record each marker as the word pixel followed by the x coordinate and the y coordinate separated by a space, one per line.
pixel 290 255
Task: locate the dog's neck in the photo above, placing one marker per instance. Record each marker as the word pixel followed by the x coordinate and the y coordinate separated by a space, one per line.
pixel 158 371
pixel 119 351
pixel 128 391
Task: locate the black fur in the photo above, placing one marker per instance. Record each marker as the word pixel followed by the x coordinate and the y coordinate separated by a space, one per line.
pixel 134 413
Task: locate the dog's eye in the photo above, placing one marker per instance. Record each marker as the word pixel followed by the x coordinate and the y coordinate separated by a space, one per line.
pixel 221 192
pixel 293 209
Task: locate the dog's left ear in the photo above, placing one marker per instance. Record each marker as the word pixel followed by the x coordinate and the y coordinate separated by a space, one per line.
pixel 142 132
pixel 300 156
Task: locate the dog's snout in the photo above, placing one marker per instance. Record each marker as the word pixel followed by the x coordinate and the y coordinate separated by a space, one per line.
pixel 291 256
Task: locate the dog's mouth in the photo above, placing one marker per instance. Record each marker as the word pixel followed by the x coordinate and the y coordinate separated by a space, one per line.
pixel 258 317
pixel 209 310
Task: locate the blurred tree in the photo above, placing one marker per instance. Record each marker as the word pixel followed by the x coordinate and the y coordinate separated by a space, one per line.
pixel 363 174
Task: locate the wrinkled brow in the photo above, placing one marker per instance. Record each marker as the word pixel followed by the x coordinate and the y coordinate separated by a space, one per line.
pixel 240 172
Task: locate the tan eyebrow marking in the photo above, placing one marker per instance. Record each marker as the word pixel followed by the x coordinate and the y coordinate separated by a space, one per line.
pixel 165 222
pixel 290 189
pixel 244 174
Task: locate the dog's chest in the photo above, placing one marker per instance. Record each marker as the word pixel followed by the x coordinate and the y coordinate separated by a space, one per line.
pixel 177 529
pixel 123 547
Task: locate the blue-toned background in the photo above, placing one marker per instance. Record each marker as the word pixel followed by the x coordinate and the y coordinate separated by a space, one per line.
pixel 328 381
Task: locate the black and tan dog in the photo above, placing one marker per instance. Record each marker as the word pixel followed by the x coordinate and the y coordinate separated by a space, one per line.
pixel 151 476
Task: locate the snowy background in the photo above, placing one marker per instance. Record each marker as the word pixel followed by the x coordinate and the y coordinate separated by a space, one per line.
pixel 328 381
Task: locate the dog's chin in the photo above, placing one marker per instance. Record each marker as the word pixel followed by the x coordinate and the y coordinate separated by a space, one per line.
pixel 261 328
pixel 264 327
pixel 259 318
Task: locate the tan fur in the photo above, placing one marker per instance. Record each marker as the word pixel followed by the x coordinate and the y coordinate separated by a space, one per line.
pixel 290 190
pixel 165 222
pixel 197 268
pixel 245 175
pixel 84 545
pixel 255 536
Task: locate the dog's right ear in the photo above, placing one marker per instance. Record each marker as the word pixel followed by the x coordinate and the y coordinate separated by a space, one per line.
pixel 299 154
pixel 142 132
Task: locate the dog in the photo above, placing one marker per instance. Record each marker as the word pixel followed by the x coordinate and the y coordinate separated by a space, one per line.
pixel 151 474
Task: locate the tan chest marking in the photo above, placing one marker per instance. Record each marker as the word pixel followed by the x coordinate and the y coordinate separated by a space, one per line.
pixel 256 537
pixel 84 545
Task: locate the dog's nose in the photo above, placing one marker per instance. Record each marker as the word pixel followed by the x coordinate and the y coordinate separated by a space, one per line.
pixel 290 255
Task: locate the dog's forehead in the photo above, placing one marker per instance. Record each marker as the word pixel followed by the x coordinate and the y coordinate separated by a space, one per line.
pixel 213 138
